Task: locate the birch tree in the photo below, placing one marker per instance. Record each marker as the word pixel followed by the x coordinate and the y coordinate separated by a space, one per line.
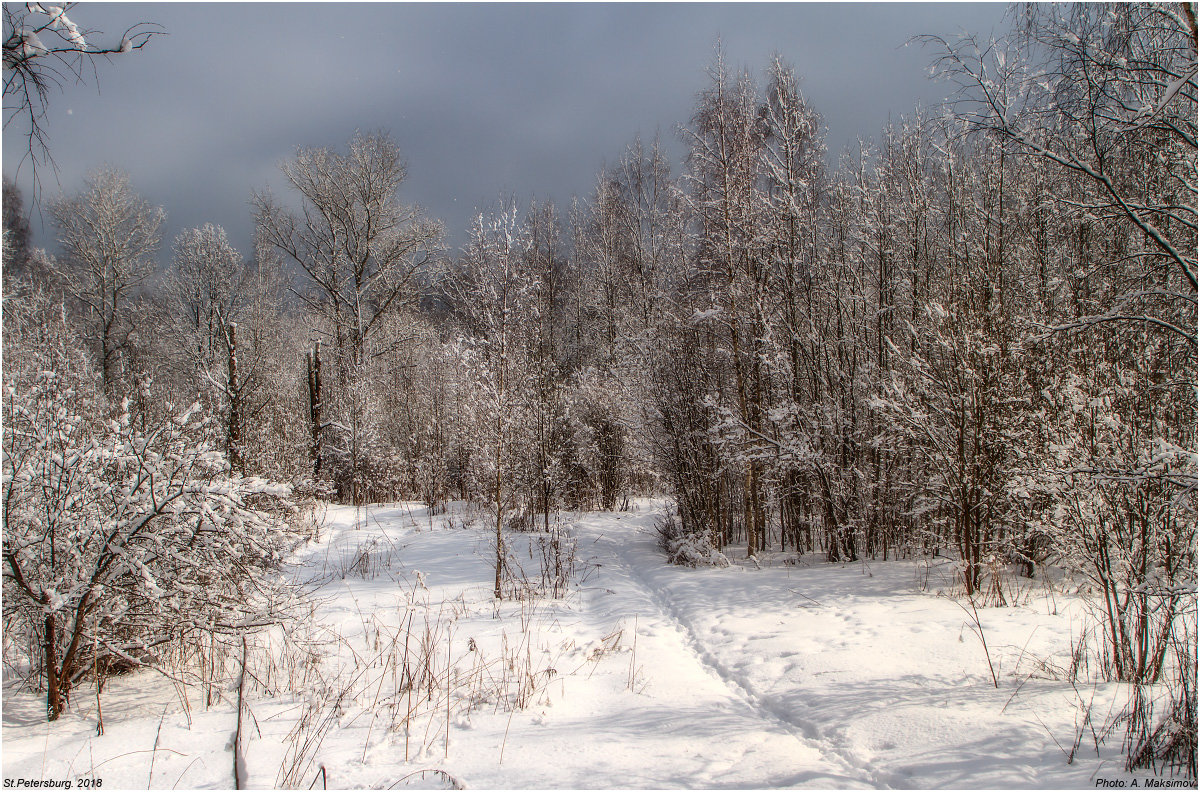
pixel 108 236
pixel 495 297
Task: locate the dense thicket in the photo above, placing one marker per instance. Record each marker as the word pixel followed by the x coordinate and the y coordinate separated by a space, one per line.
pixel 125 532
pixel 975 337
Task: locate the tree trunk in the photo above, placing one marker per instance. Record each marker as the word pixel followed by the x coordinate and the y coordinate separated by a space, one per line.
pixel 500 474
pixel 314 405
pixel 54 701
pixel 234 431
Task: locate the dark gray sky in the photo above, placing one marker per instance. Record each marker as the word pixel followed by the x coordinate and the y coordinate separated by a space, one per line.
pixel 484 99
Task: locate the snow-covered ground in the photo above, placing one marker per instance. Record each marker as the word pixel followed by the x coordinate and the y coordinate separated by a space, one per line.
pixel 643 675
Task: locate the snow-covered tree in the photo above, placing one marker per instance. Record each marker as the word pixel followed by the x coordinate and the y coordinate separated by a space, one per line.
pixel 495 297
pixel 727 141
pixel 16 233
pixel 362 251
pixel 108 235
pixel 218 315
pixel 363 256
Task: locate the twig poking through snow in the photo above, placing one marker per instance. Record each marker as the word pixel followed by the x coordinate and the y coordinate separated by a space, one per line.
pixel 977 628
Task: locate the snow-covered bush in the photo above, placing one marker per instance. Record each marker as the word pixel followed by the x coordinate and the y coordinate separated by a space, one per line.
pixel 120 536
pixel 1165 741
pixel 593 445
pixel 1109 486
pixel 688 549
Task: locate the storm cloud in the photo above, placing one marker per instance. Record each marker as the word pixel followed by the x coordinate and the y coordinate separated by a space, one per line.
pixel 485 100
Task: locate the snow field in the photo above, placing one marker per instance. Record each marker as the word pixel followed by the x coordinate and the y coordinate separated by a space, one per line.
pixel 404 671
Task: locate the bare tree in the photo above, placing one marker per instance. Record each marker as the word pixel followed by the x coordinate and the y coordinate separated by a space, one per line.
pixel 362 250
pixel 108 236
pixel 363 254
pixel 208 294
